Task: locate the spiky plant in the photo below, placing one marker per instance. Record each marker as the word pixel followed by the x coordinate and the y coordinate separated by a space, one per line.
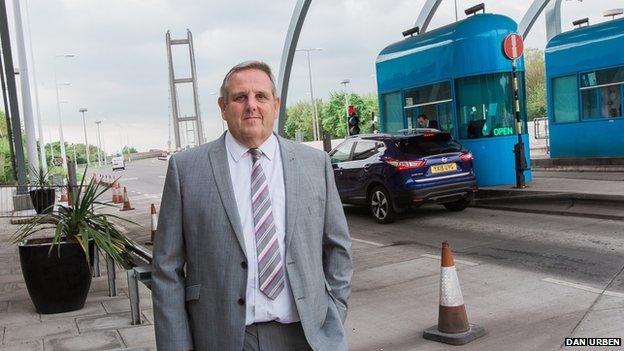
pixel 79 223
pixel 41 177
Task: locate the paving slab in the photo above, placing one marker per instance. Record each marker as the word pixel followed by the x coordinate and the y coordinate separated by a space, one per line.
pixel 142 336
pixel 23 306
pixel 90 309
pixel 27 346
pixel 148 315
pixel 36 331
pixel 107 340
pixel 109 321
pixel 18 318
pixel 123 305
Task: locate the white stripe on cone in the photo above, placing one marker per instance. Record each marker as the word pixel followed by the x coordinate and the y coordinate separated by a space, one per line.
pixel 450 292
pixel 154 221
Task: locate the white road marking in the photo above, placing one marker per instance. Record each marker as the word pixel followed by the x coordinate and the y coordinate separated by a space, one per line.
pixel 368 242
pixel 438 257
pixel 583 287
pixel 128 179
pixel 138 192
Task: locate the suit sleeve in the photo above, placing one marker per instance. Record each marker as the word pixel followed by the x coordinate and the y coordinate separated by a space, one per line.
pixel 170 318
pixel 337 259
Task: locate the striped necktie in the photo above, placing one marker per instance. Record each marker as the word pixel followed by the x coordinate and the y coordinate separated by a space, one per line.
pixel 270 266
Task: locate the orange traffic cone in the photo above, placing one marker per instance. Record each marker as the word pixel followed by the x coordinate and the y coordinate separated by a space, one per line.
pixel 120 198
pixel 154 216
pixel 115 197
pixel 126 201
pixel 453 327
pixel 64 194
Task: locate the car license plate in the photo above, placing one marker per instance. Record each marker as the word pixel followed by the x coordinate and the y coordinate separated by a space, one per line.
pixel 446 167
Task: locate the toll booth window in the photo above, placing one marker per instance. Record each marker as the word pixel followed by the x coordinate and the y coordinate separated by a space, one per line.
pixel 432 100
pixel 393 112
pixel 484 106
pixel 601 93
pixel 565 99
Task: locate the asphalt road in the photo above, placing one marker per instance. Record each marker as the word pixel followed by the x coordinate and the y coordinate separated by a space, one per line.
pixel 530 279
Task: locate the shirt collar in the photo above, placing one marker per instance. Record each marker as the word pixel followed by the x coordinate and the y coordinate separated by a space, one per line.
pixel 238 150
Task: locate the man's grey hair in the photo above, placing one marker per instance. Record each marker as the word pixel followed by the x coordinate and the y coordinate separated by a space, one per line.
pixel 223 91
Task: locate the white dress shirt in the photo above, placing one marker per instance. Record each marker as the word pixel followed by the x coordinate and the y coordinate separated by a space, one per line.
pixel 259 308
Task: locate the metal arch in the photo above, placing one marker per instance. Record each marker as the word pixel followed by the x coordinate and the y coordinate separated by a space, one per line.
pixel 292 37
pixel 553 18
pixel 553 28
pixel 426 13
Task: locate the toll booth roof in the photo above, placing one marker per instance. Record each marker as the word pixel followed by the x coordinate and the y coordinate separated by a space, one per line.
pixel 589 47
pixel 468 47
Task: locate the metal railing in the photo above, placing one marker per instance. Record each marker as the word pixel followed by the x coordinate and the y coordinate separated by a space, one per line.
pixel 540 131
pixel 16 201
pixel 540 128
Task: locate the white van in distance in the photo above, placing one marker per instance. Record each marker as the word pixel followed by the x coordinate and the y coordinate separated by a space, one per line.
pixel 118 163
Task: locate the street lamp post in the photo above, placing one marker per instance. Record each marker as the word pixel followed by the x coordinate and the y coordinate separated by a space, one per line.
pixel 315 129
pixel 345 82
pixel 99 143
pixel 84 126
pixel 58 106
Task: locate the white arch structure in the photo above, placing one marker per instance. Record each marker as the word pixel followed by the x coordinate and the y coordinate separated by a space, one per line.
pixel 553 27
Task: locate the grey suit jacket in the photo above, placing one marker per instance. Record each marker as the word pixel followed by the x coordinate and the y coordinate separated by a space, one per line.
pixel 199 267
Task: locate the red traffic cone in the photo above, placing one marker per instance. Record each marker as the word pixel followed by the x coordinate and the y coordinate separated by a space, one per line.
pixel 154 216
pixel 64 194
pixel 120 197
pixel 126 201
pixel 115 193
pixel 453 327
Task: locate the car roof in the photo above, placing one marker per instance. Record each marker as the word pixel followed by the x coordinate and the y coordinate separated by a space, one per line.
pixel 401 134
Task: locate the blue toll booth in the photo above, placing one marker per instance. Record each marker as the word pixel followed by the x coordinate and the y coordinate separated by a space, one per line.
pixel 585 90
pixel 458 76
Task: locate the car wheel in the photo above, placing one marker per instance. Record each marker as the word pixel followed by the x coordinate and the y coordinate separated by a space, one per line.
pixel 458 205
pixel 380 205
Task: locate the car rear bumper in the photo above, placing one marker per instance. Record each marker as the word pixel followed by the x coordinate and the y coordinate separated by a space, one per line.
pixel 437 194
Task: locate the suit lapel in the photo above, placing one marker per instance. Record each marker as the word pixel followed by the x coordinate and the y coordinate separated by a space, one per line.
pixel 291 187
pixel 221 172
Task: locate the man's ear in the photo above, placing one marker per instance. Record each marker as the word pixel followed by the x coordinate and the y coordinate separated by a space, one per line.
pixel 278 103
pixel 221 103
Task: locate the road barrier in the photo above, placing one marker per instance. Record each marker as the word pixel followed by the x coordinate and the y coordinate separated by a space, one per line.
pixel 453 327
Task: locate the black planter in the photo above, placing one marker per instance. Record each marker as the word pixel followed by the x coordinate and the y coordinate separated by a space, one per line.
pixel 55 284
pixel 42 199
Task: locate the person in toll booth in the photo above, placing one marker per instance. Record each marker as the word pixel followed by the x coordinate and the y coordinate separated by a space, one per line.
pixel 252 250
pixel 424 122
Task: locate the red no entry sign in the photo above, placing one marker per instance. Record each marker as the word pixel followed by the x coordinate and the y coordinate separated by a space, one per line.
pixel 513 46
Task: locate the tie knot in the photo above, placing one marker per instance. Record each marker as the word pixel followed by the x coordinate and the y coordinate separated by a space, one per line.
pixel 255 154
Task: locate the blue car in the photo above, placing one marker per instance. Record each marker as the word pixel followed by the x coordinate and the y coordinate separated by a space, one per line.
pixel 390 173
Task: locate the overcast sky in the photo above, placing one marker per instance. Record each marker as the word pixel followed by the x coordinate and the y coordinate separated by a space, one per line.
pixel 120 69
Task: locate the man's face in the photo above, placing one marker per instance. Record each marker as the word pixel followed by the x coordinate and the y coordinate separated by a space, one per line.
pixel 251 108
pixel 421 121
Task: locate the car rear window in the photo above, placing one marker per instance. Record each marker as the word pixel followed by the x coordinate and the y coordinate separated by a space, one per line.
pixel 429 144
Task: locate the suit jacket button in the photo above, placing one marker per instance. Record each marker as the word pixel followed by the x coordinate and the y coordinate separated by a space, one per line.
pixel 244 264
pixel 241 301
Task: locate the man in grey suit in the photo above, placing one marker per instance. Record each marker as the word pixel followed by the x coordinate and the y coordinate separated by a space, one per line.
pixel 252 250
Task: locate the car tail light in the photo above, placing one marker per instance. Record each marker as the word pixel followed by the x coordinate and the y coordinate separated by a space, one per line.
pixel 466 157
pixel 405 165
